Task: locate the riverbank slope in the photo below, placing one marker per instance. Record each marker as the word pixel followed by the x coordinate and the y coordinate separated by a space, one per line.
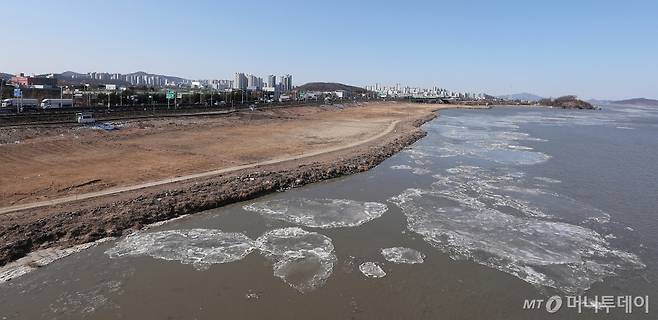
pixel 256 153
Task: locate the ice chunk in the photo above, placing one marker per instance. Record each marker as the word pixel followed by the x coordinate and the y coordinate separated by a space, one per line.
pixel 198 247
pixel 304 260
pixel 320 213
pixel 371 270
pixel 546 253
pixel 402 255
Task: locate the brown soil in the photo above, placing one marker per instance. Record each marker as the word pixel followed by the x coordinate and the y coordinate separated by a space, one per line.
pixel 76 160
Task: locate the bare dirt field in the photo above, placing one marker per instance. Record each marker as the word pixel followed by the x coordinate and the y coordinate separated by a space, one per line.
pixel 45 163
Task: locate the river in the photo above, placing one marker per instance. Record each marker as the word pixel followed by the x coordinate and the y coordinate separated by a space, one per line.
pixel 494 208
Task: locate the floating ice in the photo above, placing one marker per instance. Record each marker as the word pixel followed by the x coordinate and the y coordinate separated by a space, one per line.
pixel 414 170
pixel 41 258
pixel 519 147
pixel 371 270
pixel 403 255
pixel 462 217
pixel 304 260
pixel 548 180
pixel 320 213
pixel 198 247
pixel 482 137
pixel 88 300
pixel 504 190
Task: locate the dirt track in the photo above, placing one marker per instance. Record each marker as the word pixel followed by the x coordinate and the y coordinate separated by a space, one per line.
pixel 336 142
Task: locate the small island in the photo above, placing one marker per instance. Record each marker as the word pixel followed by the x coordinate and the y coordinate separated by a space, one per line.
pixel 566 102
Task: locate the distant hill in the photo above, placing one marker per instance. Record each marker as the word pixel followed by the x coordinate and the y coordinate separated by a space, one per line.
pixel 521 96
pixel 329 86
pixel 5 76
pixel 638 102
pixel 566 102
pixel 71 74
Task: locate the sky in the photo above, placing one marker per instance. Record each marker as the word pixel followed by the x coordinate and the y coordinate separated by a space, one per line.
pixel 594 49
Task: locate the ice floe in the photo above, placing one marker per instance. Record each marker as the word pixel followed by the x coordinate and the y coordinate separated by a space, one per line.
pixel 304 260
pixel 371 270
pixel 464 215
pixel 472 137
pixel 402 255
pixel 41 258
pixel 414 170
pixel 200 248
pixel 548 180
pixel 504 189
pixel 320 213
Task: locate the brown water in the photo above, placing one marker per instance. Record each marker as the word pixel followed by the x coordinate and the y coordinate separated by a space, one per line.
pixel 505 205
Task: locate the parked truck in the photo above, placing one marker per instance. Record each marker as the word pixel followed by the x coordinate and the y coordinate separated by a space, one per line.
pixel 85 117
pixel 56 103
pixel 16 102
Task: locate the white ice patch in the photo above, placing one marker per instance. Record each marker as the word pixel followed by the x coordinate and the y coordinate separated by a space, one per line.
pixel 320 213
pixel 482 137
pixel 467 215
pixel 41 258
pixel 199 247
pixel 519 147
pixel 414 170
pixel 504 190
pixel 371 270
pixel 403 255
pixel 87 301
pixel 548 180
pixel 304 260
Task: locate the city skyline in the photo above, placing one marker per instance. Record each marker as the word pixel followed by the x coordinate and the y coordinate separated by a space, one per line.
pixel 551 49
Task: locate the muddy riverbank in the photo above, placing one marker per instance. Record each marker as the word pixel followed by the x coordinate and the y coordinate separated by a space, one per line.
pixel 75 223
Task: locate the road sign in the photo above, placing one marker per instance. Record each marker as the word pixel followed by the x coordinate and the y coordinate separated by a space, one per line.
pixel 170 94
pixel 18 93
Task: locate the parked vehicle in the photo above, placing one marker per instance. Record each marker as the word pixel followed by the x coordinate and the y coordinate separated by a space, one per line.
pixel 15 102
pixel 56 103
pixel 85 117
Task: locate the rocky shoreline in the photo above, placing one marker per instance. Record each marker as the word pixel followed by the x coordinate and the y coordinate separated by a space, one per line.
pixel 70 225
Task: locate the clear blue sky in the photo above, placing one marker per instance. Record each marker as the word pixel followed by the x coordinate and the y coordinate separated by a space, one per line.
pixel 596 49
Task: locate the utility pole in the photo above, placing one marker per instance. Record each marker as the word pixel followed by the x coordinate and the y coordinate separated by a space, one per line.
pixel 61 96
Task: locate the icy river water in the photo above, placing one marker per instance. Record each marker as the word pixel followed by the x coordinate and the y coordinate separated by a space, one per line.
pixel 494 208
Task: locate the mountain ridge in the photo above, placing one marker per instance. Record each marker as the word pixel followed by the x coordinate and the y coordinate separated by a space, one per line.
pixel 638 102
pixel 521 96
pixel 329 86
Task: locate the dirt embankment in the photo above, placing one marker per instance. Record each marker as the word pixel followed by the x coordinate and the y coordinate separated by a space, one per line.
pixel 80 222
